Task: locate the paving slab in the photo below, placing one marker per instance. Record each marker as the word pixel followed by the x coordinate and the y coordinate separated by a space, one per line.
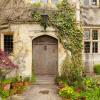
pixel 44 89
pixel 42 92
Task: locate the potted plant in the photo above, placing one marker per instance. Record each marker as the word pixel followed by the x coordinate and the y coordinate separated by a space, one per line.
pixel 26 81
pixel 20 89
pixel 5 84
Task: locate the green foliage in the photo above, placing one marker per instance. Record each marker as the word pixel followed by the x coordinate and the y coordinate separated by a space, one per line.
pixel 60 79
pixel 33 79
pixel 89 83
pixel 36 4
pixel 36 16
pixel 6 81
pixel 92 94
pixel 69 32
pixel 70 72
pixel 66 92
pixel 90 90
pixel 27 79
pixel 97 69
pixel 4 93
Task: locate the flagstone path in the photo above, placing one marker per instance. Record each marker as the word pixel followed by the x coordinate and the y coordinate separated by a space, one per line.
pixel 39 92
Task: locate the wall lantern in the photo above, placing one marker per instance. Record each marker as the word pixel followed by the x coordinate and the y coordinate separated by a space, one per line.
pixel 44 21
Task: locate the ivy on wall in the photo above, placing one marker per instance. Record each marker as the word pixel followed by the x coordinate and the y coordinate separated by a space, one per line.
pixel 68 30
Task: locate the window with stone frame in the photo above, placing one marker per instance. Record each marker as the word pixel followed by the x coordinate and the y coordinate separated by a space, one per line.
pixel 90 41
pixel 8 43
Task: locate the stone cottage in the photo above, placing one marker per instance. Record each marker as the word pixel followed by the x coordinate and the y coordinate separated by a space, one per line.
pixel 38 51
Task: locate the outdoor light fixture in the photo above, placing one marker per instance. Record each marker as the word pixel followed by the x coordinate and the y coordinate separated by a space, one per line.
pixel 44 21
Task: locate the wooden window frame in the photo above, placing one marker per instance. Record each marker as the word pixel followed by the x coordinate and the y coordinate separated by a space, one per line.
pixel 2 39
pixel 8 43
pixel 91 41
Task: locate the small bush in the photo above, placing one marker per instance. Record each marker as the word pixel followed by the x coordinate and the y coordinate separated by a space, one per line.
pixel 97 69
pixel 59 79
pixel 4 93
pixel 36 5
pixel 66 92
pixel 71 72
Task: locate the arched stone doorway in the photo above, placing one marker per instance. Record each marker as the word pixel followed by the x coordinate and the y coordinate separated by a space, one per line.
pixel 45 55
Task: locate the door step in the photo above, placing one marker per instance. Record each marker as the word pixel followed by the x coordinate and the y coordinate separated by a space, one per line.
pixel 45 80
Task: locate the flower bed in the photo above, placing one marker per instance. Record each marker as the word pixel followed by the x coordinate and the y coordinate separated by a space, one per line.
pixel 87 89
pixel 13 86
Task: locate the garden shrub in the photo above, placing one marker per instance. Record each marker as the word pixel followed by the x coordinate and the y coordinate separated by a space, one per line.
pixel 97 69
pixel 70 72
pixel 66 92
pixel 6 65
pixel 91 90
pixel 91 94
pixel 4 93
pixel 60 79
pixel 89 83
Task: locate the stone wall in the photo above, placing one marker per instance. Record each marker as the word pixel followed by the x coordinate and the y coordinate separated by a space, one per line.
pixel 23 36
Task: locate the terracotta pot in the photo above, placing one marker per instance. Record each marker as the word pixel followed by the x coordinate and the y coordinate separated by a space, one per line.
pixel 64 99
pixel 83 98
pixel 19 92
pixel 17 84
pixel 6 86
pixel 26 83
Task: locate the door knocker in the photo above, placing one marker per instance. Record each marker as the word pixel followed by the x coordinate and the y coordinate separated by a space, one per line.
pixel 45 47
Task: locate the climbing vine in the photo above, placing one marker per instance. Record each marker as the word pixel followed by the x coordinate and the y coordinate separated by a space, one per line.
pixel 68 30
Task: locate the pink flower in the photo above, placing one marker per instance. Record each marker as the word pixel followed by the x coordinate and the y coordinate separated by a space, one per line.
pixel 5 62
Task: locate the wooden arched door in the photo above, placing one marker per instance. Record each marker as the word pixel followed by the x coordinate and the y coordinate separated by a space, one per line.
pixel 45 55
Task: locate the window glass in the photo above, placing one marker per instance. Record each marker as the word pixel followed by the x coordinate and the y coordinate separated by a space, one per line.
pixel 86 47
pixel 86 35
pixel 94 2
pixel 8 43
pixel 94 34
pixel 91 41
pixel 95 47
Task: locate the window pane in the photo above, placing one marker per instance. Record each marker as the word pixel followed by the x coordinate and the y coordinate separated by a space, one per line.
pixel 8 43
pixel 86 35
pixel 95 47
pixel 86 47
pixel 94 34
